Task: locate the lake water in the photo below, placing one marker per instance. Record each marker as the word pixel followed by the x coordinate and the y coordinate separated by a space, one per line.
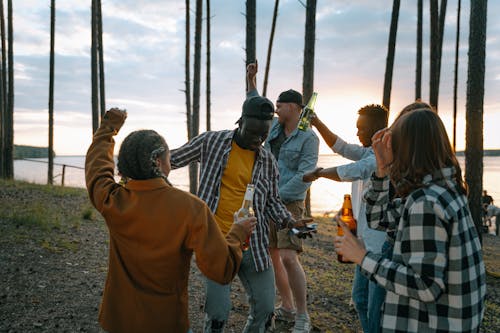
pixel 326 195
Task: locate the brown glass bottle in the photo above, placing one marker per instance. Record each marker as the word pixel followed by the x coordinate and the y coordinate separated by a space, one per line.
pixel 246 210
pixel 347 217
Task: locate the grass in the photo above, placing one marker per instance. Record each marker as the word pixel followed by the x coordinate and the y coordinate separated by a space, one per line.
pixel 44 214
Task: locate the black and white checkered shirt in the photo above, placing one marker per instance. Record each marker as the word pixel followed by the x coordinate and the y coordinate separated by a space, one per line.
pixel 211 150
pixel 435 281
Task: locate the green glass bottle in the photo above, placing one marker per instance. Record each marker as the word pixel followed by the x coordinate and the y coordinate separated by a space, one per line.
pixel 307 111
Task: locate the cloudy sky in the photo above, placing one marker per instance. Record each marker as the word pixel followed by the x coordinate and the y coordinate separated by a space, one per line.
pixel 144 64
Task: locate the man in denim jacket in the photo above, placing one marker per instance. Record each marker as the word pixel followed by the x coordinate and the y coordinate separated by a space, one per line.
pixel 297 153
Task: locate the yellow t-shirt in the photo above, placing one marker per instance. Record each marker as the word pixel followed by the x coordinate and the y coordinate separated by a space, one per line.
pixel 236 176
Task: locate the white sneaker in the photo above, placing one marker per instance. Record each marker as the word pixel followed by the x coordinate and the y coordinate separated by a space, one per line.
pixel 302 323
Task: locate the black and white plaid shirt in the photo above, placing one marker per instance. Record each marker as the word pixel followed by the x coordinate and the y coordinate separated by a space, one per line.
pixel 211 150
pixel 382 213
pixel 435 281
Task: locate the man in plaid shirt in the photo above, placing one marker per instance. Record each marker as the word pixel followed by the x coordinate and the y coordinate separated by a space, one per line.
pixel 229 160
pixel 435 280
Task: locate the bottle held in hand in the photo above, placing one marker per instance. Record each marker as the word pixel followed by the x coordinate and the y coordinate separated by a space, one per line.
pixel 246 210
pixel 307 111
pixel 347 217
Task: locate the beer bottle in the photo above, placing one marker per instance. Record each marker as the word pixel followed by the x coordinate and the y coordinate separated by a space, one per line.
pixel 246 210
pixel 307 111
pixel 347 217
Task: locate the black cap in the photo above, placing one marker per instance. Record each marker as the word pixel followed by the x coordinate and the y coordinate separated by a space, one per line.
pixel 290 96
pixel 258 107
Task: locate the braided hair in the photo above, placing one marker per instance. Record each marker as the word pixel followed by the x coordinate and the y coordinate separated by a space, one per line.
pixel 139 153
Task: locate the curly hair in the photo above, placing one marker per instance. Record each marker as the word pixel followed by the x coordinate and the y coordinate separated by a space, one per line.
pixel 378 114
pixel 138 155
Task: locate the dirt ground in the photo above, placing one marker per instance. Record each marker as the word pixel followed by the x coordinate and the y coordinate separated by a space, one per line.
pixel 53 262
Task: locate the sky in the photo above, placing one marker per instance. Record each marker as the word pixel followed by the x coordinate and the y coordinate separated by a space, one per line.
pixel 144 65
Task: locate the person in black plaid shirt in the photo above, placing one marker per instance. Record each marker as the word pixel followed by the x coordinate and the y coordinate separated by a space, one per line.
pixel 436 279
pixel 229 160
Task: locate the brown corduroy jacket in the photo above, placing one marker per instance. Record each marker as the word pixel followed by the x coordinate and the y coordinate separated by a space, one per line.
pixel 154 230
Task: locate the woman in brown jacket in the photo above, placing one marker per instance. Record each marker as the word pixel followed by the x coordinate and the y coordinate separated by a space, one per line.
pixel 154 229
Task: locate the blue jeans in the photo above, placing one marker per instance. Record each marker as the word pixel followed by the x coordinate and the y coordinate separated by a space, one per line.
pixel 260 290
pixel 368 297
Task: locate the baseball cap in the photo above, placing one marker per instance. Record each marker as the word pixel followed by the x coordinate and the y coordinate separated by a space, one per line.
pixel 290 96
pixel 258 107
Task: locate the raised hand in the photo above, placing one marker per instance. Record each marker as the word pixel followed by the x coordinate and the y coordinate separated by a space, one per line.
pixel 252 69
pixel 116 111
pixel 382 147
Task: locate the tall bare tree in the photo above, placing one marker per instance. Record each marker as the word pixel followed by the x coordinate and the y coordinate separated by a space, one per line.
pixel 100 46
pixel 442 17
pixel 308 68
pixel 455 79
pixel 208 92
pixel 50 169
pixel 3 92
pixel 434 53
pixel 93 67
pixel 193 174
pixel 250 49
pixel 270 47
pixel 391 50
pixel 418 67
pixel 187 71
pixel 195 121
pixel 437 34
pixel 9 114
pixel 474 108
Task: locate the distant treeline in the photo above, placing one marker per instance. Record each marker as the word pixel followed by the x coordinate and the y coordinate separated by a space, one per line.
pixel 487 152
pixel 30 152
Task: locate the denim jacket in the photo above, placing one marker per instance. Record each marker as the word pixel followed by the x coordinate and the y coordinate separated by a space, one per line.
pixel 298 155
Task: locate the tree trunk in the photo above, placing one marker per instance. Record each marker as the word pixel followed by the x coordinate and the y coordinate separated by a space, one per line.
pixel 474 108
pixel 434 53
pixel 250 34
pixel 270 47
pixel 455 79
pixel 3 93
pixel 391 50
pixel 187 72
pixel 209 116
pixel 50 171
pixel 442 17
pixel 9 115
pixel 308 74
pixel 102 98
pixel 437 35
pixel 93 68
pixel 193 167
pixel 418 70
pixel 309 43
